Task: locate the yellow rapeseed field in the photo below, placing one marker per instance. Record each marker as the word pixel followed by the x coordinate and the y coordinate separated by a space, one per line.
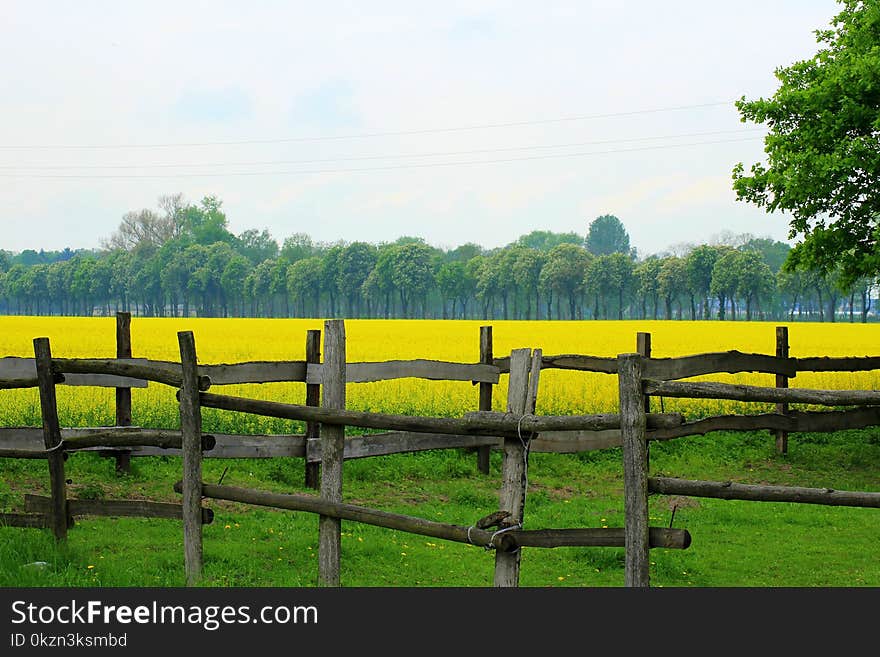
pixel 561 392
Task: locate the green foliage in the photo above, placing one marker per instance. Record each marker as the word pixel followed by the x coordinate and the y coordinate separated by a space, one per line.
pixel 412 274
pixel 563 275
pixel 774 252
pixel 823 156
pixel 700 264
pixel 206 223
pixel 725 279
pixel 355 263
pixel 607 235
pixel 673 283
pixel 610 277
pixel 545 240
pixel 298 247
pixel 256 246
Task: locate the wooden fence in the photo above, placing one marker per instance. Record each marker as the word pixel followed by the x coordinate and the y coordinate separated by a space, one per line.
pixel 517 432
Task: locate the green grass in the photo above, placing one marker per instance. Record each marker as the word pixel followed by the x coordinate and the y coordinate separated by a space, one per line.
pixel 735 543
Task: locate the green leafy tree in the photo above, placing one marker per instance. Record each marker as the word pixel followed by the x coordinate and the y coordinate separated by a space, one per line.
pixel 864 287
pixel 610 277
pixel 563 275
pixel 700 263
pixel 330 275
pixel 36 287
pixel 120 277
pixel 829 287
pixel 278 287
pixel 527 273
pixel 672 284
pixel 304 285
pixel 412 275
pixel 232 280
pixel 754 279
pixel 544 240
pixel 464 252
pixel 607 235
pixel 146 283
pixel 774 252
pixel 792 289
pixel 647 275
pixel 258 287
pixel 486 271
pixel 505 282
pixel 210 273
pixel 256 245
pixel 355 263
pixel 57 284
pixel 193 260
pixel 81 284
pixel 206 223
pixel 456 285
pixel 725 281
pixel 15 285
pixel 823 154
pixel 298 247
pixel 379 286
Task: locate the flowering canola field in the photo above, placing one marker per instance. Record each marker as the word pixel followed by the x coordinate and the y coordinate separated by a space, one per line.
pixel 560 392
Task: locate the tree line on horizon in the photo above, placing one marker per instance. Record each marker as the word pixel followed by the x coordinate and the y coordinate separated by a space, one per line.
pixel 182 260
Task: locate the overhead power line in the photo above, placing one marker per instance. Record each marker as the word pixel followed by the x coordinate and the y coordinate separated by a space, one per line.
pixel 478 151
pixel 368 135
pixel 369 169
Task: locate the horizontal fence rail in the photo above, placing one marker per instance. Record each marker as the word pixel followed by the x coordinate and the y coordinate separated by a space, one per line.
pixel 246 372
pixel 601 364
pixel 26 442
pixel 157 371
pixel 846 364
pixel 480 423
pixel 791 421
pixel 731 362
pixel 24 372
pixel 115 508
pixel 508 541
pixel 136 372
pixel 733 491
pixel 736 392
pixel 728 362
pixel 434 370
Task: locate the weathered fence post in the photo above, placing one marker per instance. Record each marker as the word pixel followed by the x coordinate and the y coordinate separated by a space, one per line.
pixel 123 395
pixel 486 358
pixel 635 470
pixel 534 374
pixel 643 348
pixel 782 382
pixel 313 398
pixel 332 446
pixel 514 467
pixel 191 447
pixel 52 437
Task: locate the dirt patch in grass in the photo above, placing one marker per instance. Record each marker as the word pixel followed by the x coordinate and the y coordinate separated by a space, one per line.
pixel 680 502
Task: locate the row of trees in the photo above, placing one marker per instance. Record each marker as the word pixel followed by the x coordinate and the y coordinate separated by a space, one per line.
pixel 183 261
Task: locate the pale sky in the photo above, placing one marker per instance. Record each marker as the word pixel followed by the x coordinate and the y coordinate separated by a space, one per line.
pixel 471 121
